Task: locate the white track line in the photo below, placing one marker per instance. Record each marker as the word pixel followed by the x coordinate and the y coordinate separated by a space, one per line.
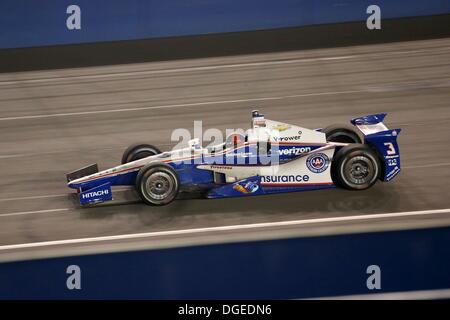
pixel 223 228
pixel 35 197
pixel 32 212
pixel 194 104
pixel 183 105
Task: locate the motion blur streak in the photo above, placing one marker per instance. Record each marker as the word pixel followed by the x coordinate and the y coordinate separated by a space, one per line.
pixel 32 212
pixel 206 103
pixel 211 67
pixel 411 85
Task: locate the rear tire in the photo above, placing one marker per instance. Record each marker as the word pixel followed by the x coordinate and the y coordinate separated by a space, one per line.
pixel 139 151
pixel 356 167
pixel 157 184
pixel 343 134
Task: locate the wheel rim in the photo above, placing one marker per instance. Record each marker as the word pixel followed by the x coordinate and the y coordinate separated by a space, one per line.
pixel 159 185
pixel 359 170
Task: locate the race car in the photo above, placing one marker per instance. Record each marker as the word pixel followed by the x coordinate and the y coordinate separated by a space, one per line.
pixel 270 157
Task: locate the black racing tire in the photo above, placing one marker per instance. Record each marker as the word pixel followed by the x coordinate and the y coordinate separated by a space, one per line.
pixel 157 184
pixel 355 167
pixel 339 133
pixel 139 151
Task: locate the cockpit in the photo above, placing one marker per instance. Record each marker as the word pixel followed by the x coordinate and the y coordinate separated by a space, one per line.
pixel 235 140
pixel 239 138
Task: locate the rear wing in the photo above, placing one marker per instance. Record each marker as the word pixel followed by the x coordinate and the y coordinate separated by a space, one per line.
pixel 383 140
pixel 80 173
pixel 370 124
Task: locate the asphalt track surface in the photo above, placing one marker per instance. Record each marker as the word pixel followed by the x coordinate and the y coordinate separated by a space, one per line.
pixel 55 121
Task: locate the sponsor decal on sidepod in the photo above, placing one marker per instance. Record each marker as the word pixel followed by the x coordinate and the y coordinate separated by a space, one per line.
pixel 281 127
pixel 294 151
pixel 317 163
pixel 285 179
pixel 287 139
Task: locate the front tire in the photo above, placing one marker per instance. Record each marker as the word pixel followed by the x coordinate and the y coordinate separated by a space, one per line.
pixel 157 184
pixel 356 167
pixel 139 151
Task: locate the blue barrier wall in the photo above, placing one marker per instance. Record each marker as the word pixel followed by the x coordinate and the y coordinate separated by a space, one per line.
pixel 273 269
pixel 27 23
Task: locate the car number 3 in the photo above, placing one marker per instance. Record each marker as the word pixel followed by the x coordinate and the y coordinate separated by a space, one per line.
pixel 390 148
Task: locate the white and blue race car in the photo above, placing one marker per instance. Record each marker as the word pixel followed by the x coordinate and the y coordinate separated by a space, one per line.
pixel 270 157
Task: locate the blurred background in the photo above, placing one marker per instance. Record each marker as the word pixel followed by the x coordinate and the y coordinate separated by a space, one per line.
pixel 81 80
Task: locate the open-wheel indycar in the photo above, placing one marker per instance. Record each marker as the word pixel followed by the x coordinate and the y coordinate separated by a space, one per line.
pixel 270 157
